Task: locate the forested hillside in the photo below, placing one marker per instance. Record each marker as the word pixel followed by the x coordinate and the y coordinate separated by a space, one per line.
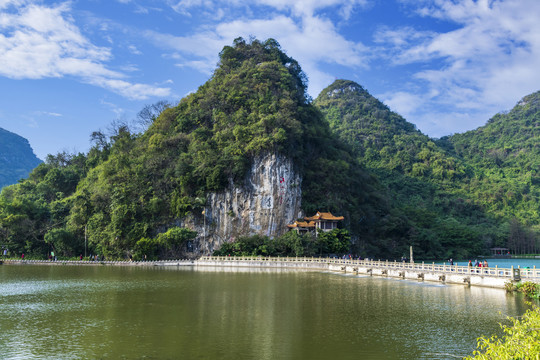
pixel 131 188
pixel 17 158
pixel 505 156
pixel 132 192
pixel 446 196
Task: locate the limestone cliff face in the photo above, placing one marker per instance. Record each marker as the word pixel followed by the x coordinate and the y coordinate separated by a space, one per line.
pixel 269 199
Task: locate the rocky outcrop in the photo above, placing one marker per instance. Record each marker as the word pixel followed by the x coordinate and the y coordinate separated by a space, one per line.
pixel 269 199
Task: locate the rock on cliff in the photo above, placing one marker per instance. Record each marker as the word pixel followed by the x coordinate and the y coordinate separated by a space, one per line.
pixel 269 199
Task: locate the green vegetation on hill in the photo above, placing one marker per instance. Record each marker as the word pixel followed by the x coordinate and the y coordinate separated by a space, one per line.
pixel 434 189
pixel 17 158
pixel 130 188
pixel 505 156
pixel 396 187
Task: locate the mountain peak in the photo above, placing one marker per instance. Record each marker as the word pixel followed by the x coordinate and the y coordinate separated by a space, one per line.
pixel 530 102
pixel 343 86
pixel 359 117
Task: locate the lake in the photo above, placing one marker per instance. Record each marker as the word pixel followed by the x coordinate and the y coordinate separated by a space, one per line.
pixel 103 312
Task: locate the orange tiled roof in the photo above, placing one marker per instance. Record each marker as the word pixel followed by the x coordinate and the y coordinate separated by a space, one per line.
pixel 304 224
pixel 324 216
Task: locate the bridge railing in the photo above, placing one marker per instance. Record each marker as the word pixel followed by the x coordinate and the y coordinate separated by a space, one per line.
pixel 525 273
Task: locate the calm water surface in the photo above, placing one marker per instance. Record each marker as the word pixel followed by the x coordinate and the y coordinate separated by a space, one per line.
pixel 79 312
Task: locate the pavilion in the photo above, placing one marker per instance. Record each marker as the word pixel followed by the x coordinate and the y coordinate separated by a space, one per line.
pixel 324 221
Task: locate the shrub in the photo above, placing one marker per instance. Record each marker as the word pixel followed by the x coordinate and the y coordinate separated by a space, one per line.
pixel 510 287
pixel 521 340
pixel 530 289
pixel 148 247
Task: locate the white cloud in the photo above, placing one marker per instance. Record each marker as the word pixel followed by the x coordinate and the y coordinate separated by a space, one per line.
pixel 48 113
pixel 403 103
pixel 310 7
pixel 484 65
pixel 129 90
pixel 133 49
pixel 129 68
pixel 4 4
pixel 311 40
pixel 117 110
pixel 37 42
pixel 398 39
pixel 438 123
pixel 297 8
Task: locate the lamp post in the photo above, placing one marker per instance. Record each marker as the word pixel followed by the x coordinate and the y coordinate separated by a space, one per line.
pixel 85 241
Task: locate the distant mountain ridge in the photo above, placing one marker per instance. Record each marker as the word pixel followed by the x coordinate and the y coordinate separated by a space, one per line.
pixel 17 158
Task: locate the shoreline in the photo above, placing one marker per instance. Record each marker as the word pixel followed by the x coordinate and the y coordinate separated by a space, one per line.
pixel 96 263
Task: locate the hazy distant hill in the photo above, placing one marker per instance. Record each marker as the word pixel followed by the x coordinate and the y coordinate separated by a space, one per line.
pixel 17 158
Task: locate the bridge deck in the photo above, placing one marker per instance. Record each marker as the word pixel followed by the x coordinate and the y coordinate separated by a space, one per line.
pixel 481 276
pixel 533 273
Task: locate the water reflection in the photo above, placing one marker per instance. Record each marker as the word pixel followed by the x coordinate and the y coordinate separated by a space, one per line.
pixel 238 313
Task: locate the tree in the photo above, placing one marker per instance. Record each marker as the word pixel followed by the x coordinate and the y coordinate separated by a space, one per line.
pixel 174 239
pixel 337 241
pixel 146 247
pixel 521 340
pixel 63 241
pixel 149 113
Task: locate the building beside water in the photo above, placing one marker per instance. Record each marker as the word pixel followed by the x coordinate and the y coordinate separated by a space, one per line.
pixel 324 221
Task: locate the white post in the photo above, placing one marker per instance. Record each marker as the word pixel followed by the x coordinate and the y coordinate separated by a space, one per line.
pixel 85 241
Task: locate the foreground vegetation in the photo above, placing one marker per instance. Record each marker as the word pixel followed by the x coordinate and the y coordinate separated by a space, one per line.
pixel 530 289
pixel 521 340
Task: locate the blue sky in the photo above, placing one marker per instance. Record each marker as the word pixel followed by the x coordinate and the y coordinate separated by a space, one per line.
pixel 68 68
